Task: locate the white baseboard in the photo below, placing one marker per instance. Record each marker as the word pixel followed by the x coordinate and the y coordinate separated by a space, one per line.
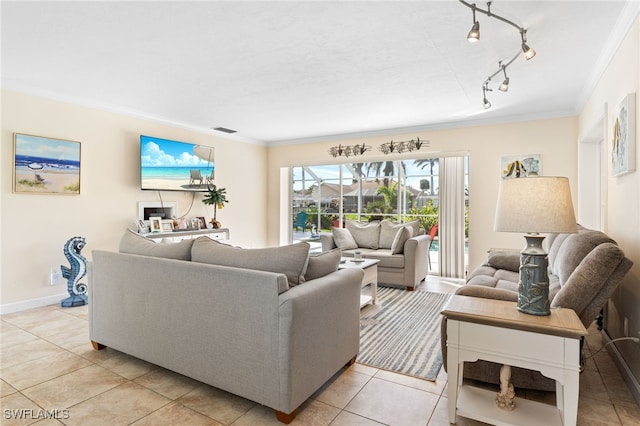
pixel 10 308
pixel 625 371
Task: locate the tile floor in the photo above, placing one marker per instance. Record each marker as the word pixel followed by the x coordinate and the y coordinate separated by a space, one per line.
pixel 49 364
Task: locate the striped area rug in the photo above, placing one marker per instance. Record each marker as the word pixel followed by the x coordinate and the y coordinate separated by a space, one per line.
pixel 401 333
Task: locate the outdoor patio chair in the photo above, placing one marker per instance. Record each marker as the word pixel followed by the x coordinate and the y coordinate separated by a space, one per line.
pixel 195 176
pixel 302 222
pixel 433 231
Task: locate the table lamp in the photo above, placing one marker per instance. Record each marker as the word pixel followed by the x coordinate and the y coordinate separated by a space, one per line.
pixel 534 205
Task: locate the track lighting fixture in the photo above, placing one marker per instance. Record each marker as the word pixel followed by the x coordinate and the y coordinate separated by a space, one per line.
pixel 474 35
pixel 346 151
pixel 402 146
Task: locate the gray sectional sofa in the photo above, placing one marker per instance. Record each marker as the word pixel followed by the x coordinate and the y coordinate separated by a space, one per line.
pixel 401 248
pixel 584 270
pixel 244 321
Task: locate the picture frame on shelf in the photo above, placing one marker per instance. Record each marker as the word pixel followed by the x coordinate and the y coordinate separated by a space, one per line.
pixel 142 226
pixel 167 225
pixel 195 223
pixel 203 222
pixel 155 223
pixel 182 223
pixel 43 165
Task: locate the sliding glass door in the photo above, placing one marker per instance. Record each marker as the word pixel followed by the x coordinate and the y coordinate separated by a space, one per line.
pixel 324 196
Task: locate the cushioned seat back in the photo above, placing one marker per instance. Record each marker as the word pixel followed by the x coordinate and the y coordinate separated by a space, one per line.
pixel 568 250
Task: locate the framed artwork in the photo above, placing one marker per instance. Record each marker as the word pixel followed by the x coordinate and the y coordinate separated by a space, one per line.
pixel 142 226
pixel 45 166
pixel 195 223
pixel 519 166
pixel 155 223
pixel 203 222
pixel 623 143
pixel 167 225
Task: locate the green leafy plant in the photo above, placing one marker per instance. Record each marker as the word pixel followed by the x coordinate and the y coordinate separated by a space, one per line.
pixel 215 197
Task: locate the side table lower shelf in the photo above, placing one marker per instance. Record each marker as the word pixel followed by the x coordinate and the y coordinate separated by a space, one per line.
pixel 479 404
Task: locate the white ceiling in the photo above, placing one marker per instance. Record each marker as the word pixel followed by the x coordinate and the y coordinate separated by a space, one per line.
pixel 279 71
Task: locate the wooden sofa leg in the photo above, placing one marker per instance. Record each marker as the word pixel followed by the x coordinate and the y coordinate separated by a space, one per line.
pixel 351 361
pixel 410 288
pixel 286 418
pixel 97 346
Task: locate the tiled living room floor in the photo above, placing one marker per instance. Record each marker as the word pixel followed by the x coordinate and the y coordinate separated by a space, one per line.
pixel 48 363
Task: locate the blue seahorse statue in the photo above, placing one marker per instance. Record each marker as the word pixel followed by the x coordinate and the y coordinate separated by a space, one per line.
pixel 77 290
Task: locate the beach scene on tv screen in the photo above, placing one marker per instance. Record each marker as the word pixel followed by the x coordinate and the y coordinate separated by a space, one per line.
pixel 175 166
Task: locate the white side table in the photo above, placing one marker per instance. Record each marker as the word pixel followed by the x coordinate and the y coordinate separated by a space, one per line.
pixel 370 268
pixel 495 330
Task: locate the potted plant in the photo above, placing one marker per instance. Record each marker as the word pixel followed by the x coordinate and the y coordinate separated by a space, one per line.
pixel 216 197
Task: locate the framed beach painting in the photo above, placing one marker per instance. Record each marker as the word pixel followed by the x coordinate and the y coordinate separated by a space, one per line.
pixel 623 143
pixel 45 165
pixel 519 166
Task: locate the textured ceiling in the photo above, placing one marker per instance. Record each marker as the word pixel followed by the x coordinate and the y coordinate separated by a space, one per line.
pixel 279 71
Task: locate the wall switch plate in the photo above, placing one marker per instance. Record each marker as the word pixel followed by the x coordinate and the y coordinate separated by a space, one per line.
pixel 55 276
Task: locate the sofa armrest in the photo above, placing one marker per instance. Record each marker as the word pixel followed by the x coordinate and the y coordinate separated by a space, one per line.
pixel 488 292
pixel 319 326
pixel 416 259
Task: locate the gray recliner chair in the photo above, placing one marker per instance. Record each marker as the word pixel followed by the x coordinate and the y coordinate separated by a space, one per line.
pixel 584 270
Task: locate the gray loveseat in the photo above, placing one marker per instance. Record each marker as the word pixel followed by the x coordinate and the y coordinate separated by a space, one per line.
pixel 401 248
pixel 584 270
pixel 263 335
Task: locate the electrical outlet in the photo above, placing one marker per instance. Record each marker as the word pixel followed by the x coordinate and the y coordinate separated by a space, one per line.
pixel 55 276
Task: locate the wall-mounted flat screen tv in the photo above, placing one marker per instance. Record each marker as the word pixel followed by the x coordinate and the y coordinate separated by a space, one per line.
pixel 167 165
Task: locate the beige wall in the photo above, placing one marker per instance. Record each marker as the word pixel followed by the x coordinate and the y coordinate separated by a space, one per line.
pixel 621 77
pixel 35 227
pixel 554 139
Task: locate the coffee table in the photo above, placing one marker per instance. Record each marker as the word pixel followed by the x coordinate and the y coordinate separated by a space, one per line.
pixel 370 268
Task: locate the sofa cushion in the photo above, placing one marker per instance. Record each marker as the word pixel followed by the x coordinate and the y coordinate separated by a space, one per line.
pixel 387 260
pixel 133 243
pixel 343 239
pixel 388 232
pixel 322 264
pixel 366 234
pixel 403 234
pixel 290 260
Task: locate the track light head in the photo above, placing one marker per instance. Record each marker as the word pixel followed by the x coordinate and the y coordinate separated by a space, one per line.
pixel 486 103
pixel 474 34
pixel 505 85
pixel 528 52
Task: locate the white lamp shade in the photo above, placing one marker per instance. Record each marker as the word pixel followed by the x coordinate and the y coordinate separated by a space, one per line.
pixel 539 204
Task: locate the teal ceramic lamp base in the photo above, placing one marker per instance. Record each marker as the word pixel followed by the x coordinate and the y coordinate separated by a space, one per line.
pixel 533 287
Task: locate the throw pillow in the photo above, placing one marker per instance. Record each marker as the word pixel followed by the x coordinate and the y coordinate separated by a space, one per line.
pixel 415 227
pixel 133 243
pixel 343 239
pixel 323 264
pixel 504 259
pixel 366 234
pixel 403 234
pixel 388 232
pixel 290 260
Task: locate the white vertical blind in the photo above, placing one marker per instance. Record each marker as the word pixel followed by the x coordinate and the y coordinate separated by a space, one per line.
pixel 451 230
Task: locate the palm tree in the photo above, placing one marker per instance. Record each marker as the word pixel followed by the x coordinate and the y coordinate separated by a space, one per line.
pixel 217 197
pixel 431 162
